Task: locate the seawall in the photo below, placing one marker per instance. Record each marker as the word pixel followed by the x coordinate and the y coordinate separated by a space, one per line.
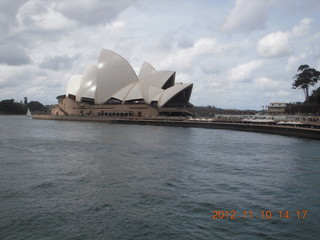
pixel 296 131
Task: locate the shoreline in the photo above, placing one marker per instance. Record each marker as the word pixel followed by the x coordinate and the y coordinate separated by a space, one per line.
pixel 295 131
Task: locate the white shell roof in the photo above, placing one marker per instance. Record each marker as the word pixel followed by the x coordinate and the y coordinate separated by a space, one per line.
pixel 88 83
pixel 114 77
pixel 122 93
pixel 134 93
pixel 74 85
pixel 90 93
pixel 155 79
pixel 146 68
pixel 169 93
pixel 154 94
pixel 114 73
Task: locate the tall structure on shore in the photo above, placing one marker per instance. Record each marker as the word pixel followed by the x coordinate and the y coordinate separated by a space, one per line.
pixel 113 88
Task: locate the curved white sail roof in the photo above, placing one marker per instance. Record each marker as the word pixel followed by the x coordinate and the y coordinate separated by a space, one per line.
pixel 90 93
pixel 114 78
pixel 134 93
pixel 157 80
pixel 154 94
pixel 146 68
pixel 88 83
pixel 129 93
pixel 114 73
pixel 171 92
pixel 73 85
pixel 122 93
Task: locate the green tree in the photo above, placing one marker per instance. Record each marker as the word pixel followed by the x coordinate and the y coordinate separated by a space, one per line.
pixel 9 106
pixel 36 106
pixel 305 78
pixel 314 98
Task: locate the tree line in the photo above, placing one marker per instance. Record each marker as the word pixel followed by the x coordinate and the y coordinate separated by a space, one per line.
pixel 10 106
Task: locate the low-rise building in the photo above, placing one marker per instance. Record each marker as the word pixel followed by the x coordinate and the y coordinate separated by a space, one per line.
pixel 277 108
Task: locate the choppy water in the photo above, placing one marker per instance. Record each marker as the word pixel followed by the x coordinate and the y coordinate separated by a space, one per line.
pixel 75 180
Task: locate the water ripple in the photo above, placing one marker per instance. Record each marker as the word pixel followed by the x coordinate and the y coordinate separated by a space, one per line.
pixel 73 180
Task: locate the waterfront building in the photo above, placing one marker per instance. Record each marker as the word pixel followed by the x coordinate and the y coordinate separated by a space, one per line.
pixel 112 88
pixel 277 108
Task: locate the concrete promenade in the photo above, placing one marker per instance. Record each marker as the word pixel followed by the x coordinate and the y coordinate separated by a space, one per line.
pixel 306 131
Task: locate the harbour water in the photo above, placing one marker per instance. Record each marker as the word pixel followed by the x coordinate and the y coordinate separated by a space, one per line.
pixel 86 180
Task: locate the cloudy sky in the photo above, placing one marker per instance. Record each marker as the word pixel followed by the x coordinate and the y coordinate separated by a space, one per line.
pixel 238 53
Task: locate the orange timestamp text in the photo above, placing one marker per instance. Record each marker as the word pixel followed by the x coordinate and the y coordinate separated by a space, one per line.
pixel 301 214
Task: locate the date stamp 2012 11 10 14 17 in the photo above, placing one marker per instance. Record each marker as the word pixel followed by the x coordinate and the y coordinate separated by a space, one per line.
pixel 266 214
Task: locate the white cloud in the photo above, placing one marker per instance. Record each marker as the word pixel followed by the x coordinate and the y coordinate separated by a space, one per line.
pixel 40 15
pixel 279 44
pixel 183 77
pixel 267 84
pixel 185 58
pixel 117 24
pixel 302 28
pixel 247 15
pixel 278 95
pixel 244 71
pixel 45 42
pixel 294 62
pixel 94 12
pixel 51 20
pixel 275 44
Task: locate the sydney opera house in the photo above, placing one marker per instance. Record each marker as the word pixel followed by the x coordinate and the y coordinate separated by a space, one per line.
pixel 112 88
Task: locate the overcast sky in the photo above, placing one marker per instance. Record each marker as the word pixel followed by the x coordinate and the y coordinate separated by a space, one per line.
pixel 238 53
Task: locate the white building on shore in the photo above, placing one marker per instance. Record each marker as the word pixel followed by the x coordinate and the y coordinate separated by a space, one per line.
pixel 113 88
